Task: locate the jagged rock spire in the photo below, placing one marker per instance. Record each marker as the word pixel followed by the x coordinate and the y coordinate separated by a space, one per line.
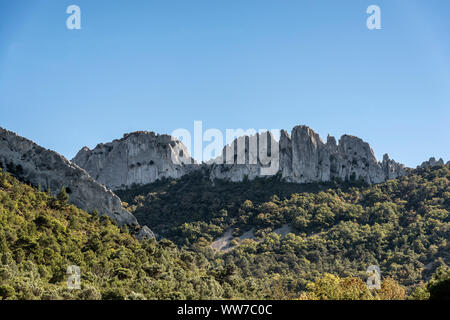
pixel 301 157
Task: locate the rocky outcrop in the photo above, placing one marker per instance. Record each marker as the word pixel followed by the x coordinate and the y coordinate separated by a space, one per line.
pixel 138 158
pixel 145 232
pixel 305 158
pixel 432 163
pixel 247 157
pixel 300 157
pixel 41 167
pixel 392 169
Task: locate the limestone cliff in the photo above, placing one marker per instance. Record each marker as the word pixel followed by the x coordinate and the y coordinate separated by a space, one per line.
pixel 38 166
pixel 138 158
pixel 304 158
pixel 301 157
pixel 247 157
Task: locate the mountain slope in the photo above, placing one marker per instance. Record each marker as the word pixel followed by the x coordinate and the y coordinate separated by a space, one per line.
pixel 402 225
pixel 48 169
pixel 40 236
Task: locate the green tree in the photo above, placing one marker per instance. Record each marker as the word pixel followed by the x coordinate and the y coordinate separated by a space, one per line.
pixel 439 286
pixel 7 292
pixel 63 197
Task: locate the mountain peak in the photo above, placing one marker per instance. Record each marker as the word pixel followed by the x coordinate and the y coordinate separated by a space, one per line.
pixel 138 158
pixel 143 157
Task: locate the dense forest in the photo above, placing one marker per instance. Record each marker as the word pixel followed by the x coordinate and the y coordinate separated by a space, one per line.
pixel 337 231
pixel 340 228
pixel 40 236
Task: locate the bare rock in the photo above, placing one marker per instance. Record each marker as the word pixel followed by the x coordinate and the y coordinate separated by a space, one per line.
pixel 350 159
pixel 432 163
pixel 48 169
pixel 305 158
pixel 285 154
pixel 301 157
pixel 138 158
pixel 145 232
pixel 247 157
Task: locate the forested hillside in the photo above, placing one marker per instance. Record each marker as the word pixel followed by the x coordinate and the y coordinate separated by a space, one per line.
pixel 337 232
pixel 40 236
pixel 402 225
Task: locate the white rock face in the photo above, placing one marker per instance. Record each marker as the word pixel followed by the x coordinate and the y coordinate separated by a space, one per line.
pixel 305 158
pixel 247 157
pixel 302 157
pixel 138 158
pixel 351 159
pixel 32 163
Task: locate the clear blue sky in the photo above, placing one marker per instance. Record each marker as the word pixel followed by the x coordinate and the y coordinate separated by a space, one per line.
pixel 160 65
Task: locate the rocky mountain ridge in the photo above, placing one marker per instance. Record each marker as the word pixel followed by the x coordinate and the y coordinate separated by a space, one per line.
pixel 300 157
pixel 138 158
pixel 433 162
pixel 45 168
pixel 310 159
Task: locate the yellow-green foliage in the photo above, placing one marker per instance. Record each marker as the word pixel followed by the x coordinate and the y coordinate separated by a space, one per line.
pixel 331 287
pixel 40 236
pixel 403 226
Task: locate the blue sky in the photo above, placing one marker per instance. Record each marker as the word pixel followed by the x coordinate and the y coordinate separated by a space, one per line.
pixel 160 65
